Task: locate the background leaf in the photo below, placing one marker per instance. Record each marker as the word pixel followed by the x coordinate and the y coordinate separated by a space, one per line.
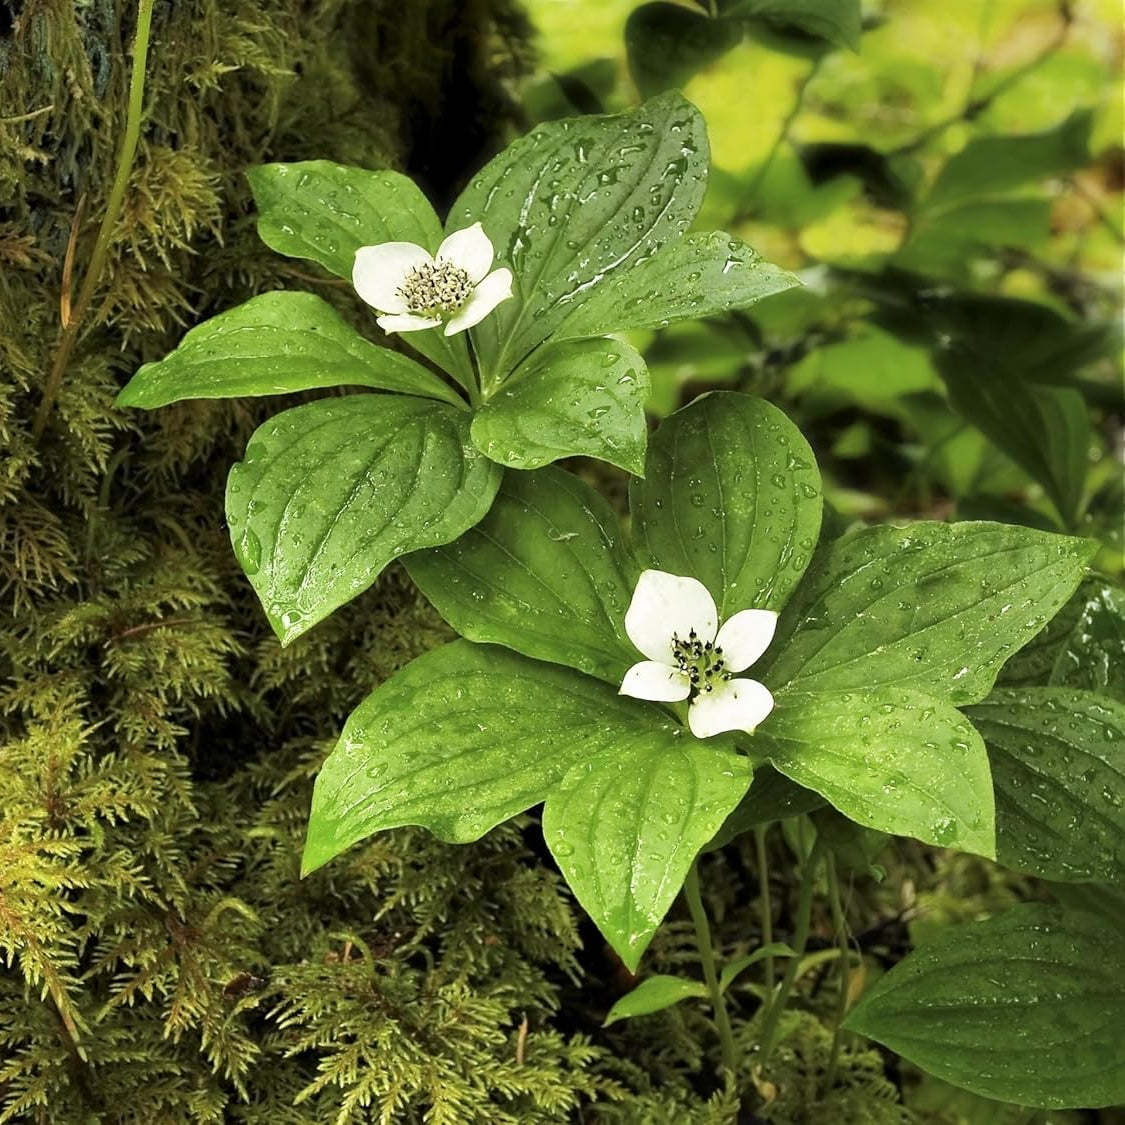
pixel 463 738
pixel 575 201
pixel 1026 1008
pixel 579 397
pixel 626 826
pixel 332 491
pixel 654 994
pixel 666 44
pixel 731 496
pixel 1058 764
pixel 544 573
pixel 275 344
pixel 890 759
pixel 934 606
pixel 837 21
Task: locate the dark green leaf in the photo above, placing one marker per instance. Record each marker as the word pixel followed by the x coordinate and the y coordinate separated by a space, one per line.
pixel 1092 654
pixel 275 344
pixel 325 212
pixel 731 496
pixel 544 573
pixel 837 21
pixel 1045 430
pixel 932 606
pixel 1026 1008
pixel 625 827
pixel 995 165
pixel 331 492
pixel 890 759
pixel 666 44
pixel 702 275
pixel 575 201
pixel 1058 762
pixel 579 397
pixel 654 994
pixel 463 738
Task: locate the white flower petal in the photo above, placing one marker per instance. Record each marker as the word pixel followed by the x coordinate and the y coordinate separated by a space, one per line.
pixel 407 322
pixel 664 604
pixel 733 705
pixel 380 270
pixel 745 636
pixel 471 249
pixel 484 298
pixel 652 680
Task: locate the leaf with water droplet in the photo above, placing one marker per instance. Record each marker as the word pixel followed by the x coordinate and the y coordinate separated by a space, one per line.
pixel 883 758
pixel 1060 787
pixel 273 344
pixel 931 624
pixel 375 476
pixel 463 738
pixel 721 456
pixel 1027 1007
pixel 628 862
pixel 581 397
pixel 590 175
pixel 544 573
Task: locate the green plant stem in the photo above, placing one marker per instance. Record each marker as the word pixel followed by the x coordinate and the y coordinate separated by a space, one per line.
pixel 707 958
pixel 109 219
pixel 764 898
pixel 840 925
pixel 782 136
pixel 800 940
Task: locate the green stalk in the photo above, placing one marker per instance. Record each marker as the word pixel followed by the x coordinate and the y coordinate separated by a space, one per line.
pixel 800 940
pixel 109 219
pixel 766 906
pixel 840 925
pixel 707 958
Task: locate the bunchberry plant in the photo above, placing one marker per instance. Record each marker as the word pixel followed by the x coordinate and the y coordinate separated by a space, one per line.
pixel 577 230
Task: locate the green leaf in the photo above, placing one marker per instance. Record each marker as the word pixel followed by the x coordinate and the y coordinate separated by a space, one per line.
pixel 837 21
pixel 625 827
pixel 1026 1008
pixel 1045 430
pixel 702 275
pixel 666 45
pixel 275 344
pixel 1092 654
pixel 772 797
pixel 331 492
pixel 1058 762
pixel 933 606
pixel 324 212
pixel 544 573
pixel 575 201
pixel 733 969
pixel 654 994
pixel 1083 646
pixel 463 738
pixel 996 165
pixel 891 759
pixel 584 397
pixel 731 496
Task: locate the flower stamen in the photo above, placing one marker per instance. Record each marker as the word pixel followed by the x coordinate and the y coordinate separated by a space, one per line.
pixel 701 661
pixel 435 288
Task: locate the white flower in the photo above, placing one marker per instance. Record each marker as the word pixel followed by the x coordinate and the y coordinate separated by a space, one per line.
pixel 414 291
pixel 674 622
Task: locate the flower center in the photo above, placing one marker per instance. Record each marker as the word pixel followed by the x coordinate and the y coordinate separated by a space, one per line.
pixel 434 288
pixel 701 660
